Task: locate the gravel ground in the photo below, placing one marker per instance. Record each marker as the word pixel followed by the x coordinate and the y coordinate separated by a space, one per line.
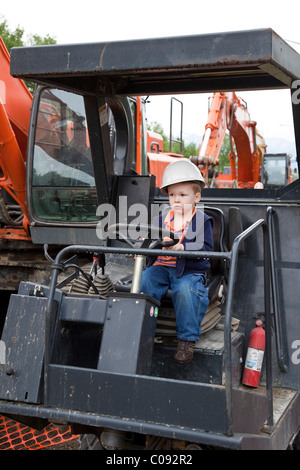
pixel 69 445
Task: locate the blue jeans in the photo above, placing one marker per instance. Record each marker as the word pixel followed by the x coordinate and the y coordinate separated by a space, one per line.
pixel 189 296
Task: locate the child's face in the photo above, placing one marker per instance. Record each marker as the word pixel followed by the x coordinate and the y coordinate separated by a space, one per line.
pixel 182 197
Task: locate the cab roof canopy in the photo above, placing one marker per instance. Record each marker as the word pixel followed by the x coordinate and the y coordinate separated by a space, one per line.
pixel 231 61
pixel 241 60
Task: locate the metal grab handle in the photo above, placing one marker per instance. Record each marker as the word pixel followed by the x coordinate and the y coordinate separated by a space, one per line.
pixel 227 324
pixel 281 353
pixel 230 256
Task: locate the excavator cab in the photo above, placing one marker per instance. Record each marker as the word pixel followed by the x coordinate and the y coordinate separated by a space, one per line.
pixel 102 350
pixel 62 165
pixel 276 170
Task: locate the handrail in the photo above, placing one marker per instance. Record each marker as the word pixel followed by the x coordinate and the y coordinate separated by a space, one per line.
pixel 66 251
pixel 227 324
pixel 281 354
pixel 231 256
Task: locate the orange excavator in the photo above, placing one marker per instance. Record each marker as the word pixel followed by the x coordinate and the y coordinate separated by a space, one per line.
pixel 96 359
pixel 229 112
pixel 15 108
pixel 156 159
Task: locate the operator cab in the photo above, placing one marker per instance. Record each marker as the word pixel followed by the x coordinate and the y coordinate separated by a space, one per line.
pixel 92 353
pixel 65 156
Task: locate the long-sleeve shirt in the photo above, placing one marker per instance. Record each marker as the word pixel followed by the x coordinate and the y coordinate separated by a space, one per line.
pixel 198 236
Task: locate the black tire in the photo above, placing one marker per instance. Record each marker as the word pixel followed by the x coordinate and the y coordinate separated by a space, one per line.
pixel 296 443
pixel 89 442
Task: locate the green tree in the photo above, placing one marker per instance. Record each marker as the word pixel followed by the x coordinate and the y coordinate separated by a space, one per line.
pixel 11 38
pixel 15 39
pixel 192 148
pixel 224 152
pixel 36 40
pixel 187 150
pixel 157 127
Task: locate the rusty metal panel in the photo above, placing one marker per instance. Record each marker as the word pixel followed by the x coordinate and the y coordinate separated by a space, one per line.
pixel 23 336
pixel 224 61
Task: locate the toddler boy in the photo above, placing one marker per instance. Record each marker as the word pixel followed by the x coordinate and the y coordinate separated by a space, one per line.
pixel 186 277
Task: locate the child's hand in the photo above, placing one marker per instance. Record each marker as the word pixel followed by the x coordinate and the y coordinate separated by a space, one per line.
pixel 177 247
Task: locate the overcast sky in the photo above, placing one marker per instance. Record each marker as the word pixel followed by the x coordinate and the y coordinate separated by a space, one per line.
pixel 87 21
pixel 98 21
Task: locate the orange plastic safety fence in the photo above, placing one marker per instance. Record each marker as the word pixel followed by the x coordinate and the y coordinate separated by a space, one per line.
pixel 16 436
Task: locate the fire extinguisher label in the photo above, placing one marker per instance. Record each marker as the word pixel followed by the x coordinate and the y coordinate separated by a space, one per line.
pixel 254 359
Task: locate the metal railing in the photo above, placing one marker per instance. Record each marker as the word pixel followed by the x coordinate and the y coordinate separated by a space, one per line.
pixel 232 257
pixel 228 308
pixel 280 345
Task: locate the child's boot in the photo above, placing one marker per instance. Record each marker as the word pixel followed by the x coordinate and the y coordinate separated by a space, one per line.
pixel 185 351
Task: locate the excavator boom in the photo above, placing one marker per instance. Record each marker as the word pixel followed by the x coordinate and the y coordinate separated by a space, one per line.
pixel 16 98
pixel 229 112
pixel 15 108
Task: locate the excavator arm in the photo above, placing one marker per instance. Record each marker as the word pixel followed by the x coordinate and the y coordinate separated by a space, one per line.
pixel 214 131
pixel 15 105
pixel 229 112
pixel 243 131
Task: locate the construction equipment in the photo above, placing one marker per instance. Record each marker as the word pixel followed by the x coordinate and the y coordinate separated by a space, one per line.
pixel 15 110
pixel 15 106
pixel 249 162
pixel 157 158
pixel 276 170
pixel 103 358
pixel 229 112
pixel 20 259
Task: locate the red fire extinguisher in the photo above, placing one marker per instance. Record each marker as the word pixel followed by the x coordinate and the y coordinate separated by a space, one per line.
pixel 255 355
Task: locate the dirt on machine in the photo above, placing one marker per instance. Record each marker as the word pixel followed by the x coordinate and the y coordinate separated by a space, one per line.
pixel 84 355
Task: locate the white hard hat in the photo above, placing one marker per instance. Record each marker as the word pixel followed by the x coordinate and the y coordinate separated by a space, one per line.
pixel 181 171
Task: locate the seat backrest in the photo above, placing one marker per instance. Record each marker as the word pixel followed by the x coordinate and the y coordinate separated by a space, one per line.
pixel 217 266
pixel 128 190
